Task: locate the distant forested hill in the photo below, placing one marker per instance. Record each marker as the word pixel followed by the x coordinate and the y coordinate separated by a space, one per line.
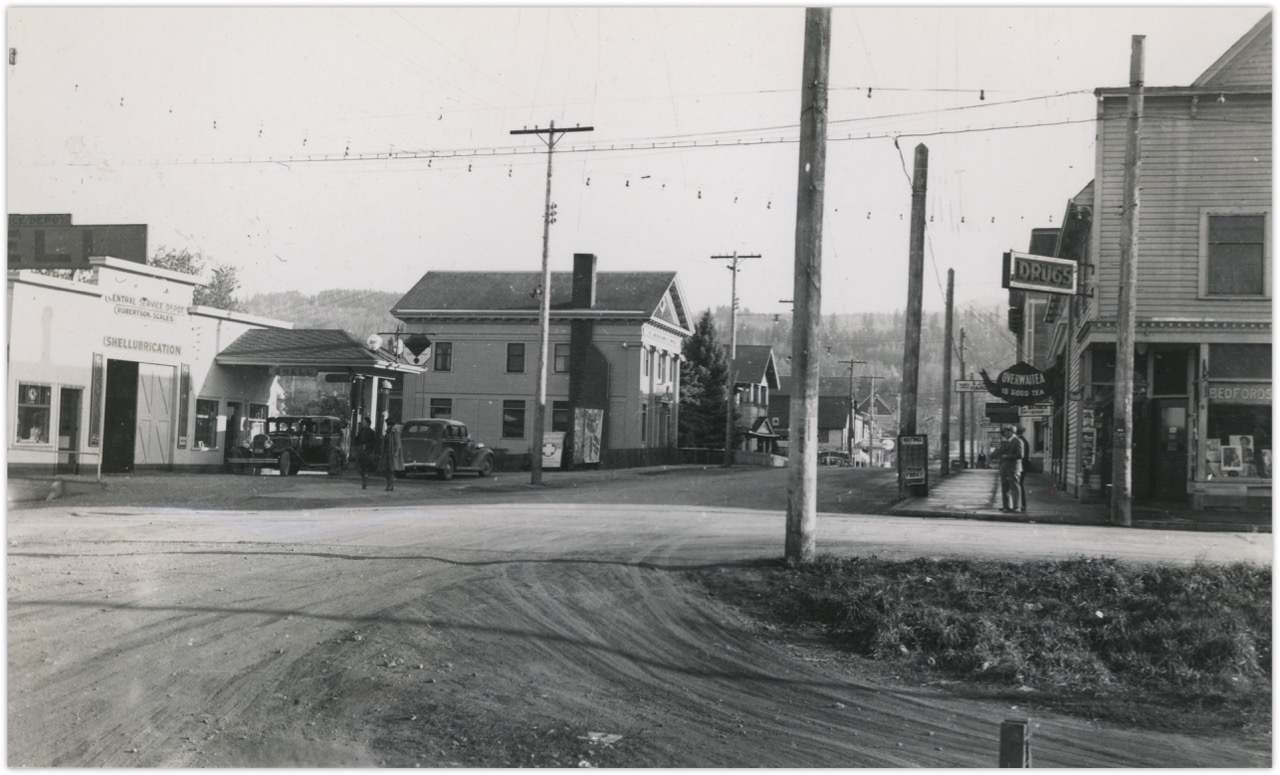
pixel 879 338
pixel 358 312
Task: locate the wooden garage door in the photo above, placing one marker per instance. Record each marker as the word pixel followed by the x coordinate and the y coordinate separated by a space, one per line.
pixel 155 416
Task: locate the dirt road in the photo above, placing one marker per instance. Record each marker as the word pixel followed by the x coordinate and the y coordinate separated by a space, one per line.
pixel 490 635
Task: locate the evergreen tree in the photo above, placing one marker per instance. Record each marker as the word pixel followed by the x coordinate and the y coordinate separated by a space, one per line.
pixel 703 382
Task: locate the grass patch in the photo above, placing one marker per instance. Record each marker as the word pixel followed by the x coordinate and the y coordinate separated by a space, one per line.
pixel 1091 635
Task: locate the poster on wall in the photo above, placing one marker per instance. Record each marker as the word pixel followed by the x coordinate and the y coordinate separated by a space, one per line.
pixel 552 448
pixel 588 429
pixel 1231 460
pixel 1213 457
pixel 1264 463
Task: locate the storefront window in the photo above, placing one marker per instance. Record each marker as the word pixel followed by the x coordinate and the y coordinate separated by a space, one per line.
pixel 441 407
pixel 1238 441
pixel 513 419
pixel 206 436
pixel 560 416
pixel 33 413
pixel 257 419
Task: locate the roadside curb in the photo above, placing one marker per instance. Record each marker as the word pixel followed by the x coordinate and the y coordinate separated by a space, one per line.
pixel 1067 519
pixel 29 490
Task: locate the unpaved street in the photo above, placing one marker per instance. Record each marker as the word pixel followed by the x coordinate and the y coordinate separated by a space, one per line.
pixel 492 635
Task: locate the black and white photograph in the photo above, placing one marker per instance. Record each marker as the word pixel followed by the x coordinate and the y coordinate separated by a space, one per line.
pixel 639 386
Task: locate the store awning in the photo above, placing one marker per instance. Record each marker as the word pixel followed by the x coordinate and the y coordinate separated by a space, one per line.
pixel 302 352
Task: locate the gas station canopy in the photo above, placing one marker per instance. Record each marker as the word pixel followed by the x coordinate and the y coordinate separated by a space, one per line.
pixel 310 351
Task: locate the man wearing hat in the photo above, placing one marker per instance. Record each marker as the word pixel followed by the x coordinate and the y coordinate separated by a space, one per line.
pixel 1009 453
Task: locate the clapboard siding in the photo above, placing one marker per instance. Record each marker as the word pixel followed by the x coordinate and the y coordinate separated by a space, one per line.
pixel 1220 158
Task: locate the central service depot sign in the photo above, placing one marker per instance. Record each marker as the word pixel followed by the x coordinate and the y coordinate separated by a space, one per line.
pixel 1039 273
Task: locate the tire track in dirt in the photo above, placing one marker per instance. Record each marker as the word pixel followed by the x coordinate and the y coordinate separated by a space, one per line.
pixel 459 635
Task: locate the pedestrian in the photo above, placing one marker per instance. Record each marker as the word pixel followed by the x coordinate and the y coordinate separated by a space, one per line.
pixel 982 460
pixel 1009 454
pixel 367 449
pixel 1026 463
pixel 392 453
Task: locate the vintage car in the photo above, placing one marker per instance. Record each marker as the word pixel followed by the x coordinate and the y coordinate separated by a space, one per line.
pixel 442 446
pixel 294 443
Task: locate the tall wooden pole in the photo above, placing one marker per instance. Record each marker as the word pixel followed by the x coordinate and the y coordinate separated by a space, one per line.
pixel 1126 319
pixel 946 377
pixel 802 478
pixel 544 308
pixel 964 400
pixel 731 388
pixel 915 295
pixel 853 407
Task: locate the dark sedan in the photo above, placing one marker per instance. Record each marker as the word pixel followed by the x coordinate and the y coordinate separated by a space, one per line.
pixel 443 446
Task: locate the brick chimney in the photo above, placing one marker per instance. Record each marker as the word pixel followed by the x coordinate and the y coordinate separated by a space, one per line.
pixel 584 280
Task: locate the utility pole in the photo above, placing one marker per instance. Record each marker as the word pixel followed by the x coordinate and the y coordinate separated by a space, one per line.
pixel 544 310
pixel 964 398
pixel 946 377
pixel 915 295
pixel 853 407
pixel 732 388
pixel 802 476
pixel 1126 318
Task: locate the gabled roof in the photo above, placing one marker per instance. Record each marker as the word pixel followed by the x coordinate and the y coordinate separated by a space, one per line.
pixel 642 295
pixel 755 365
pixel 323 349
pixel 882 407
pixel 1245 64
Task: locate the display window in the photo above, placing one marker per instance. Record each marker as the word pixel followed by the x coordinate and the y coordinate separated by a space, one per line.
pixel 34 402
pixel 1237 441
pixel 206 436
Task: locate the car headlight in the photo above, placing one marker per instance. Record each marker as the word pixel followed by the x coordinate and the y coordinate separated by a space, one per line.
pixel 266 444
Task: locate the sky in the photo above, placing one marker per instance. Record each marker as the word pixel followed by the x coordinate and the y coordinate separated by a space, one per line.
pixel 315 148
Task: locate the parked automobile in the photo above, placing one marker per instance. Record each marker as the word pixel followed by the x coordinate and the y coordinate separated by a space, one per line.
pixel 293 443
pixel 442 446
pixel 833 459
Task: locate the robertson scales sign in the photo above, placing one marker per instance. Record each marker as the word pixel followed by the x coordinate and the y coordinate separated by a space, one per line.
pixel 1039 273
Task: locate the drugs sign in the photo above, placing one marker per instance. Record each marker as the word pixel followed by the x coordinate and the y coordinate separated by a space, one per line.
pixel 1039 273
pixel 913 460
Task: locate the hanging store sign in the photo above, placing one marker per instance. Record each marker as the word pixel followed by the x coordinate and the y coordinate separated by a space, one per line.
pixel 1036 410
pixel 1020 384
pixel 1039 273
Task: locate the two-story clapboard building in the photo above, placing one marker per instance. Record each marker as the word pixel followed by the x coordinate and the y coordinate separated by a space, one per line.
pixel 615 342
pixel 1202 429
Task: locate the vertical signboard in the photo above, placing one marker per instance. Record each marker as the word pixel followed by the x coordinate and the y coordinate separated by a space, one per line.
pixel 95 401
pixel 552 448
pixel 913 461
pixel 588 429
pixel 184 394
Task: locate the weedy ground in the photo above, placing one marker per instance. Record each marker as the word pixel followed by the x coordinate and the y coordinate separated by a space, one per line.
pixel 1161 646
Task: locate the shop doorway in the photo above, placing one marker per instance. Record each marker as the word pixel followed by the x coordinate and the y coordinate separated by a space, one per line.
pixel 69 430
pixel 1169 449
pixel 138 417
pixel 119 415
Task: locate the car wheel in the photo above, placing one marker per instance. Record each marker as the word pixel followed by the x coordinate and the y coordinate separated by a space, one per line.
pixel 336 463
pixel 287 468
pixel 445 471
pixel 486 466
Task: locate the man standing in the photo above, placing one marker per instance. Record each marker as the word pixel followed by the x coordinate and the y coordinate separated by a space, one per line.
pixel 1025 448
pixel 392 453
pixel 366 447
pixel 1009 454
